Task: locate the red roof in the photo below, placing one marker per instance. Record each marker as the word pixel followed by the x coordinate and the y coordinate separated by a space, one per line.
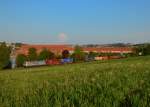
pixel 110 49
pixel 59 48
pixel 39 48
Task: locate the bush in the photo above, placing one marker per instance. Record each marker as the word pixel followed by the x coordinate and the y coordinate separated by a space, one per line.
pixel 143 49
pixel 21 58
pixel 45 54
pixel 93 54
pixel 78 54
pixel 32 54
pixel 4 55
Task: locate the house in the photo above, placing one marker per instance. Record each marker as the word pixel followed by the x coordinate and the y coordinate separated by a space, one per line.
pixel 109 50
pixel 57 49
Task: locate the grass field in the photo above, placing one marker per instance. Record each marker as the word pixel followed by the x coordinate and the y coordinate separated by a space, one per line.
pixel 115 83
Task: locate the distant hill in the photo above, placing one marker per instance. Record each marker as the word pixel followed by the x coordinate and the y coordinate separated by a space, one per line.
pixel 109 45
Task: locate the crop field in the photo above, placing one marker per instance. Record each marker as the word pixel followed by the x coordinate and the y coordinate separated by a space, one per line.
pixel 114 83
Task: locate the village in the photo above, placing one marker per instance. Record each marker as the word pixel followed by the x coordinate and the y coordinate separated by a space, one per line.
pixel 90 53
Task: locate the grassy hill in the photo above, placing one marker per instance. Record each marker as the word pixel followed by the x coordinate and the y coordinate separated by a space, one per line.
pixel 115 83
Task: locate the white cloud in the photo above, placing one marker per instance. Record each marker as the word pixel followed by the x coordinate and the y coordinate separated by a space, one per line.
pixel 63 37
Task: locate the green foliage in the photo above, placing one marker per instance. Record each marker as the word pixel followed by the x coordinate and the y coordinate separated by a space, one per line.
pixel 116 83
pixel 147 49
pixel 78 54
pixel 109 54
pixel 45 54
pixel 65 54
pixel 21 58
pixel 143 49
pixel 78 49
pixel 32 54
pixel 4 55
pixel 130 55
pixel 93 54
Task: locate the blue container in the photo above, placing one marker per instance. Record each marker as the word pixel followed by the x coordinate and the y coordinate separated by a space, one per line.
pixel 66 60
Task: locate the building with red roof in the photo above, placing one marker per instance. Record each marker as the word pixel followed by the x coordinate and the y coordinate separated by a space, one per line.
pixel 109 50
pixel 57 49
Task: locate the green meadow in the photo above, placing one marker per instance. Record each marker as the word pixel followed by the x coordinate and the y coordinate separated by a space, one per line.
pixel 113 83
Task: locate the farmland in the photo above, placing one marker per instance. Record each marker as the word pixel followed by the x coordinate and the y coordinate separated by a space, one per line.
pixel 115 83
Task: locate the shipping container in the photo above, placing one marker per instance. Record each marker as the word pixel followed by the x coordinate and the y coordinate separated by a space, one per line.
pixel 52 62
pixel 34 63
pixel 101 58
pixel 67 60
pixel 107 57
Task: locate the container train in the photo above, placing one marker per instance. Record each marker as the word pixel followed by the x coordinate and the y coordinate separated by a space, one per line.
pixel 48 62
pixel 66 61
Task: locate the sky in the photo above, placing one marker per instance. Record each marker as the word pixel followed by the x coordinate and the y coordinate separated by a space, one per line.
pixel 75 21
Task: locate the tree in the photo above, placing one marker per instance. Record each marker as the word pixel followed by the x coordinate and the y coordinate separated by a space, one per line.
pixel 4 55
pixel 32 54
pixel 21 58
pixel 65 54
pixel 147 49
pixel 143 49
pixel 92 54
pixel 78 54
pixel 45 54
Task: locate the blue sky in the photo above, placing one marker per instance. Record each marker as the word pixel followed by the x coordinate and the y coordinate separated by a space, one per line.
pixel 75 21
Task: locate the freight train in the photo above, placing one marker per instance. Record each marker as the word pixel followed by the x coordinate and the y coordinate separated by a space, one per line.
pixel 66 61
pixel 48 62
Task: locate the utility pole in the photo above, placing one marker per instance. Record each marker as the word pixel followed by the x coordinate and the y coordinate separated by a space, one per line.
pixel 13 56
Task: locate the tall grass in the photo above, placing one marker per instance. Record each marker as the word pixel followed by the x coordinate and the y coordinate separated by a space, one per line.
pixel 116 83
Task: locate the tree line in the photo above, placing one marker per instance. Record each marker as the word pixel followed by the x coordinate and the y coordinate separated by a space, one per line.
pixel 46 54
pixel 77 55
